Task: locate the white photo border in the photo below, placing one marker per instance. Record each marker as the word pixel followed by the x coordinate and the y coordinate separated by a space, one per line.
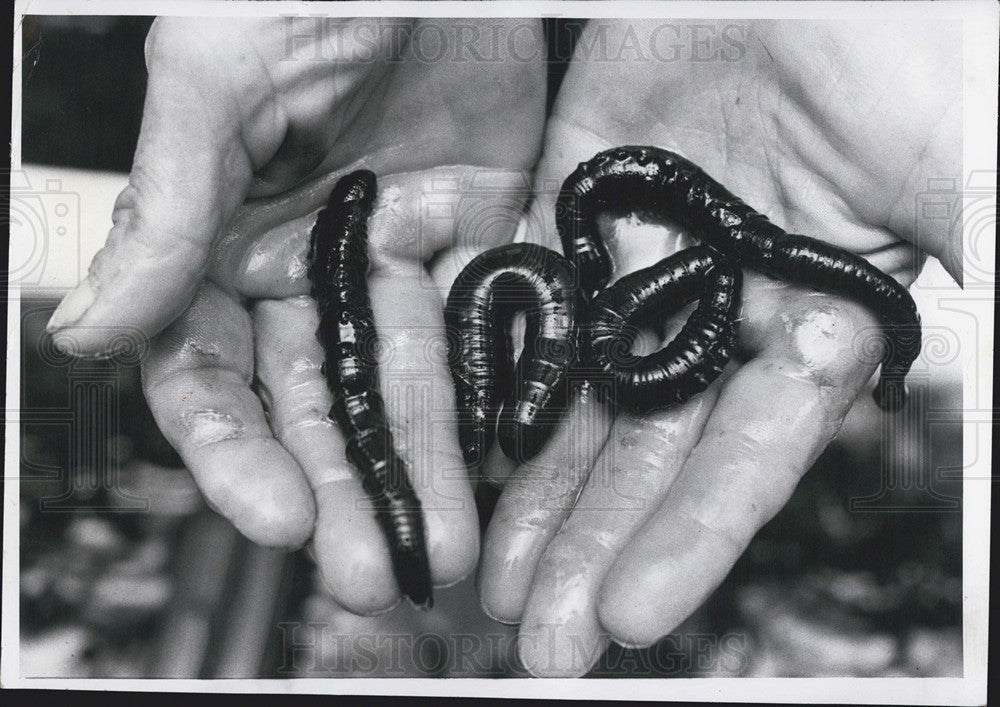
pixel 980 48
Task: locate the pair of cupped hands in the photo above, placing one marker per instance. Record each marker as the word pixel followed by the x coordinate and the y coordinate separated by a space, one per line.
pixel 622 525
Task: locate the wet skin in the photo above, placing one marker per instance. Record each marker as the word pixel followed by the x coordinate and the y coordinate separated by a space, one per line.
pixel 623 524
pixel 243 138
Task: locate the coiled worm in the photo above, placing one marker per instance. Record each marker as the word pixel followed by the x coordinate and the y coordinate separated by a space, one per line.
pixel 529 396
pixel 636 178
pixel 689 362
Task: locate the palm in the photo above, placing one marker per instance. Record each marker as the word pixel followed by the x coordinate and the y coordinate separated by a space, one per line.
pixel 432 131
pixel 808 128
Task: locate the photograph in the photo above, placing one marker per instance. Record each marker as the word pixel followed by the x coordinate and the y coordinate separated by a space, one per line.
pixel 536 345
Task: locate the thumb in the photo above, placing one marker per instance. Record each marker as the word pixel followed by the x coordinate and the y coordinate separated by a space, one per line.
pixel 192 169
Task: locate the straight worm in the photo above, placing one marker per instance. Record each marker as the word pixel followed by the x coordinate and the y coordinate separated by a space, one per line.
pixel 338 268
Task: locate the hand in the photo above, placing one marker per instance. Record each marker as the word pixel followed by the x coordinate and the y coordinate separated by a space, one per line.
pixel 829 129
pixel 246 127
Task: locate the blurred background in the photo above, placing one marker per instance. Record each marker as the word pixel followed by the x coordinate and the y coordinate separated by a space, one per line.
pixel 126 573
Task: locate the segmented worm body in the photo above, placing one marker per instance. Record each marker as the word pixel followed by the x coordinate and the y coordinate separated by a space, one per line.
pixel 634 178
pixel 338 267
pixel 699 352
pixel 529 396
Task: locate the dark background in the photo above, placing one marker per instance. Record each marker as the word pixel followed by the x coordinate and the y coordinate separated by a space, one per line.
pixel 84 80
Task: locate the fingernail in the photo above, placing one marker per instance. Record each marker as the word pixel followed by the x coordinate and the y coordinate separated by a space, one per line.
pixel 489 614
pixel 374 614
pixel 73 307
pixel 448 585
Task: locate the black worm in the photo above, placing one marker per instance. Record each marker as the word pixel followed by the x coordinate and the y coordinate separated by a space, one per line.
pixel 694 358
pixel 634 178
pixel 338 268
pixel 529 396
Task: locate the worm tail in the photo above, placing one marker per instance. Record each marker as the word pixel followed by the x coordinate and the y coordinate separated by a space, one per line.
pixel 539 390
pixel 813 263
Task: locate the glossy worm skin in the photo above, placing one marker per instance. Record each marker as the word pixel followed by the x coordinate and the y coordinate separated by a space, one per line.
pixel 649 178
pixel 490 290
pixel 338 267
pixel 694 358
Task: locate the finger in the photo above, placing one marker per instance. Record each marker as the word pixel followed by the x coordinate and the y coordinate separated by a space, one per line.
pixel 517 537
pixel 272 265
pixel 772 420
pixel 442 217
pixel 416 387
pixel 263 252
pixel 560 635
pixel 536 500
pixel 197 381
pixel 408 306
pixel 206 123
pixel 348 545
